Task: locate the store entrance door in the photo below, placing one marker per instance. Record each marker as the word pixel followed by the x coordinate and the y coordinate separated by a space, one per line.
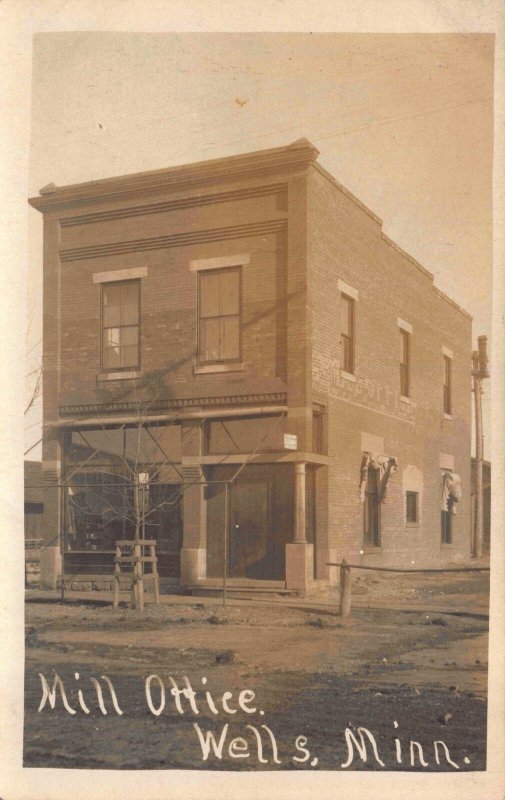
pixel 249 540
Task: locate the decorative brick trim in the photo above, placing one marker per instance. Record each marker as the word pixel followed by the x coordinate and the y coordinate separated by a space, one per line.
pixel 350 291
pixel 173 240
pixel 219 262
pixel 120 275
pixel 173 205
pixel 404 326
pixel 189 402
pixel 215 369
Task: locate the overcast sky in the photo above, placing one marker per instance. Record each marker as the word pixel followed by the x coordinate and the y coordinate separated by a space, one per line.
pixel 403 121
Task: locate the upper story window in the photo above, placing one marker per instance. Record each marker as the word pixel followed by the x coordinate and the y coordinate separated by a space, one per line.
pixel 404 363
pixel 120 325
pixel 447 385
pixel 347 334
pixel 219 302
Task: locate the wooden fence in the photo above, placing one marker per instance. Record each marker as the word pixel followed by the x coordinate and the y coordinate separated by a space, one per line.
pixel 345 577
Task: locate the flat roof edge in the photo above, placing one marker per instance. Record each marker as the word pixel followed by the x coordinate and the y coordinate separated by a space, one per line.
pixel 452 302
pixel 299 153
pixel 347 192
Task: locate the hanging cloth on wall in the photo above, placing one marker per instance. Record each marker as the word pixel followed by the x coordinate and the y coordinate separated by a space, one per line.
pixel 452 490
pixel 384 464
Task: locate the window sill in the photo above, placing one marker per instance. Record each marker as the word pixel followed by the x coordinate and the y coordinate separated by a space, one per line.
pixel 446 544
pixel 447 416
pixel 372 548
pixel 348 376
pixel 405 399
pixel 119 376
pixel 412 524
pixel 209 369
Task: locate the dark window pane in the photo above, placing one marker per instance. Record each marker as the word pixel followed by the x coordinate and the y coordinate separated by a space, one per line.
pixel 412 509
pixel 404 347
pixel 347 333
pixel 34 508
pixel 372 510
pixel 404 363
pixel 446 525
pixel 347 354
pixel 404 380
pixel 346 315
pixel 447 385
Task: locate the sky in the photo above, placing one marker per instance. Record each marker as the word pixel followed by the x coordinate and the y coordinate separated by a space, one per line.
pixel 404 121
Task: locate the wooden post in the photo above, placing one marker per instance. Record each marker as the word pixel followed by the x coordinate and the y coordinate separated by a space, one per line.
pixel 225 543
pixel 345 589
pixel 479 372
pixel 154 567
pixel 117 573
pixel 139 579
pixel 63 519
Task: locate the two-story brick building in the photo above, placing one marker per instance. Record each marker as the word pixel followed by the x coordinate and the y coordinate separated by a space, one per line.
pixel 248 312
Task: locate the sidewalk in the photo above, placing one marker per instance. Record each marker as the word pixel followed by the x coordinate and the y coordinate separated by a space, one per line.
pixel 451 604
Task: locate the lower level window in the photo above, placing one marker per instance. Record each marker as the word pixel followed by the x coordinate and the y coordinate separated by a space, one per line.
pixel 371 522
pixel 446 527
pixel 412 507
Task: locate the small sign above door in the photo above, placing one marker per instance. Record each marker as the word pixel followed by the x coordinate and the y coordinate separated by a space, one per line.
pixel 290 441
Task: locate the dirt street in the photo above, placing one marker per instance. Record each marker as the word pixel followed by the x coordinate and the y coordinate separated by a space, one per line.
pixel 318 691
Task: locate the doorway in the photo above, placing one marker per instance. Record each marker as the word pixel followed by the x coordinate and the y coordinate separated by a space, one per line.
pixel 250 546
pixel 260 521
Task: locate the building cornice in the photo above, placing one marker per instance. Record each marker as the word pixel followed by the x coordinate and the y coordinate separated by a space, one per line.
pixel 296 156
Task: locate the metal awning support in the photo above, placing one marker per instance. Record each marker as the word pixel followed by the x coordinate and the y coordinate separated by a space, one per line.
pixel 135 419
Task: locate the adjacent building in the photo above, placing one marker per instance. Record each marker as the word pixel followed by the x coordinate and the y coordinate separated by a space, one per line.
pixel 242 327
pixel 34 504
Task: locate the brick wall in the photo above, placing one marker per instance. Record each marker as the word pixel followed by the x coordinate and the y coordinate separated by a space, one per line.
pixel 346 243
pixel 169 302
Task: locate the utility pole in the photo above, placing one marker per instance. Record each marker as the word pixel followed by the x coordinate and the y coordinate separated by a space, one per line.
pixel 479 372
